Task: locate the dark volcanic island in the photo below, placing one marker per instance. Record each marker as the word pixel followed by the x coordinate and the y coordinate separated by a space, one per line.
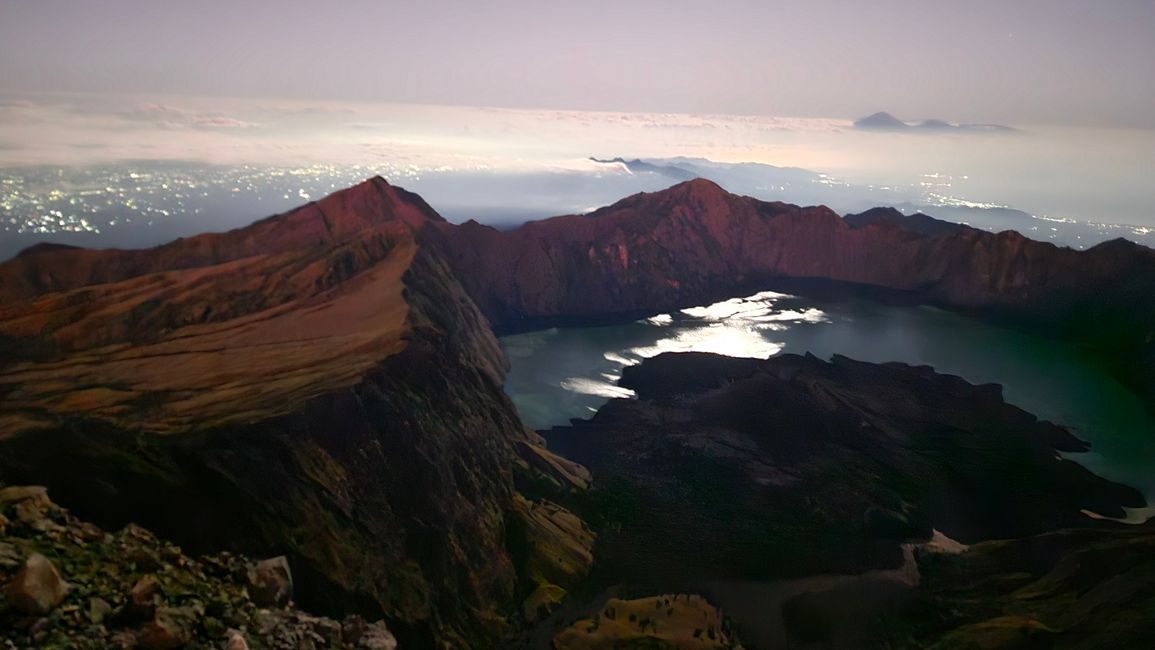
pixel 324 387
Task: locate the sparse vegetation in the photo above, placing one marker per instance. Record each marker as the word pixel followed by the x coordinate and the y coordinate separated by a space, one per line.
pixel 633 626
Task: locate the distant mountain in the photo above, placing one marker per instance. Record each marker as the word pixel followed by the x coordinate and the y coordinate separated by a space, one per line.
pixel 637 166
pixel 917 222
pixel 883 121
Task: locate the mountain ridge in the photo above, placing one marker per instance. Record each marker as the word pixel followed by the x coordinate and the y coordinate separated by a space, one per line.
pixel 270 389
pixel 883 121
pixel 326 383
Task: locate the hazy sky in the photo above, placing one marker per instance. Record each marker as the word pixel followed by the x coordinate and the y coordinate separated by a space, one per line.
pixel 1018 62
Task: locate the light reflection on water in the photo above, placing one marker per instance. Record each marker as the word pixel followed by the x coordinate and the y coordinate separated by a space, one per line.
pixel 560 374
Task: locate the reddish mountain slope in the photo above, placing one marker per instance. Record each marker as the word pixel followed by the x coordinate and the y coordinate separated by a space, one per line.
pixel 695 240
pixel 317 383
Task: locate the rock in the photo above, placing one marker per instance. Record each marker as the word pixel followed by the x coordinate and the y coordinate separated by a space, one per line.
pixel 123 639
pixel 377 637
pixel 3 524
pixel 542 602
pixel 559 544
pixel 39 627
pixel 268 622
pixel 271 582
pixel 142 600
pixel 145 559
pixel 9 556
pixel 327 629
pixel 39 631
pixel 20 493
pixel 89 532
pixel 172 627
pixel 37 587
pixel 32 507
pixel 98 610
pixel 235 618
pixel 236 641
pixel 352 629
pixel 144 592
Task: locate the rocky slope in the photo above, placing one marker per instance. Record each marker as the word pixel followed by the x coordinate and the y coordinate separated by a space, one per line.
pixel 316 384
pixel 69 584
pixel 1063 589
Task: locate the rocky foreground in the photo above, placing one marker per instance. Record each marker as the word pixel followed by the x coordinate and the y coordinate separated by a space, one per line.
pixel 69 584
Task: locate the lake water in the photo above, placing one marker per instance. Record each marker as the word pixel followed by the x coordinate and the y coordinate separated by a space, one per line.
pixel 559 374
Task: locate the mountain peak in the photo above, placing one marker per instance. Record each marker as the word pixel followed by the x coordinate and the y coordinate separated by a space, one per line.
pixel 344 215
pixel 372 201
pixel 880 120
pixel 700 189
pixel 917 222
pixel 698 185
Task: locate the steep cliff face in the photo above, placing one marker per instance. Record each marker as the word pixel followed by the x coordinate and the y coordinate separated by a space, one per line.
pixel 695 241
pixel 317 384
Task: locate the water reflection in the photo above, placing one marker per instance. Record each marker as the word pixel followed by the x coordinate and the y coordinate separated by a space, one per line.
pixel 576 384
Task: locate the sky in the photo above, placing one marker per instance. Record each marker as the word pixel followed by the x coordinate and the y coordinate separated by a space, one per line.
pixel 1063 62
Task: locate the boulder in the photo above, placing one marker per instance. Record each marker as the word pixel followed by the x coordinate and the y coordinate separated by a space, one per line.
pixel 98 610
pixel 37 587
pixel 9 556
pixel 270 582
pixel 542 602
pixel 352 629
pixel 236 641
pixel 144 592
pixel 20 493
pixel 30 506
pixel 377 637
pixel 172 627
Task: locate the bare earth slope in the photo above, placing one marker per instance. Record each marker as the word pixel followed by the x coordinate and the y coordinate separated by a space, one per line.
pixel 316 383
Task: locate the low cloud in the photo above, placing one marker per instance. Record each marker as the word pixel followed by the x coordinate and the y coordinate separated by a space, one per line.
pixel 75 129
pixel 221 123
pixel 173 117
